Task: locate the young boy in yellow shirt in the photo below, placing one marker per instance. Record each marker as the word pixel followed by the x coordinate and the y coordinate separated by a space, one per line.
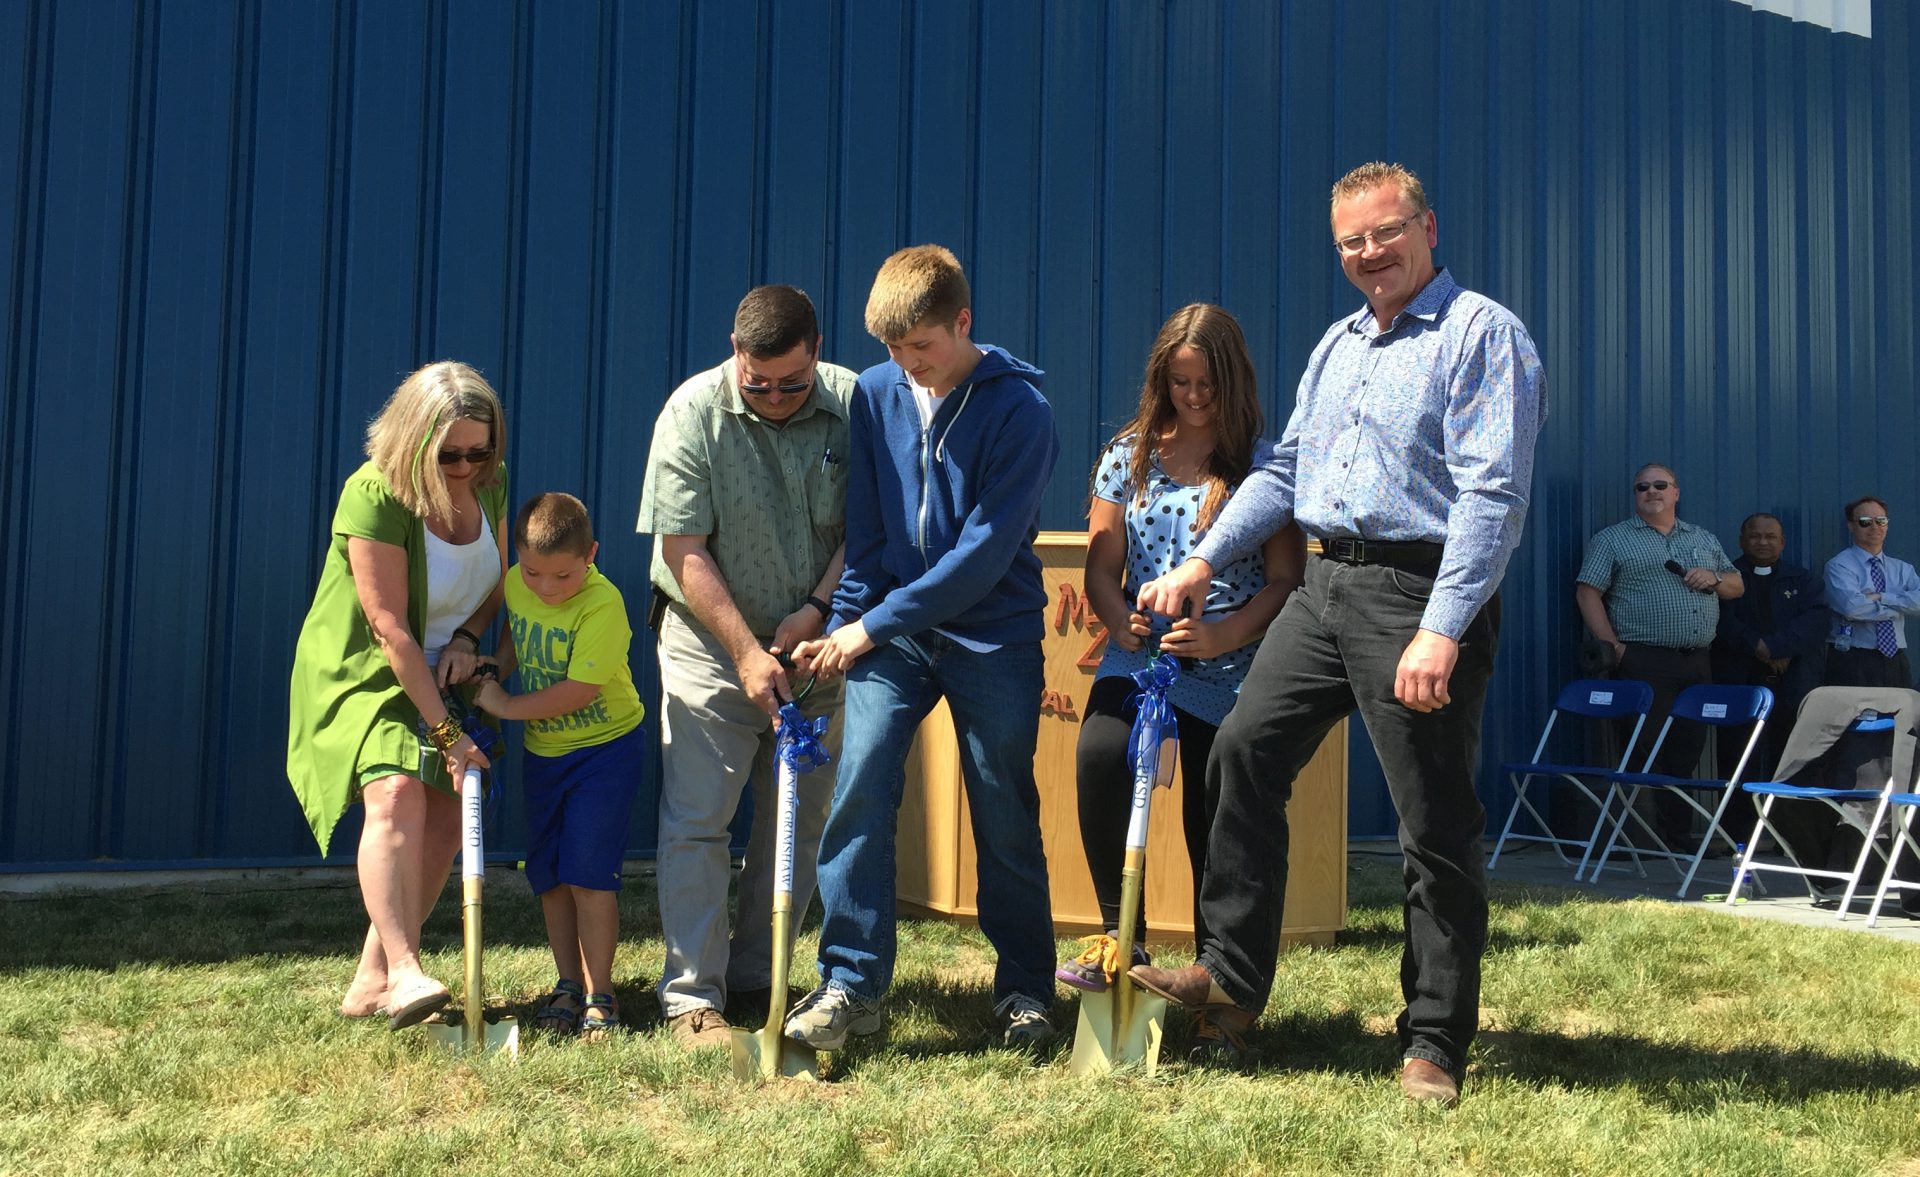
pixel 567 633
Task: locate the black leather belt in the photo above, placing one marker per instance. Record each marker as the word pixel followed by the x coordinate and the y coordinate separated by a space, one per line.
pixel 1398 553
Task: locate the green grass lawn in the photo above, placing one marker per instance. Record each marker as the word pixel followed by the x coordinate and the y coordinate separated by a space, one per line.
pixel 194 1032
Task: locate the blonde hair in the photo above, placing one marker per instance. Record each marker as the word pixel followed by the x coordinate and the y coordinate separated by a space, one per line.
pixel 404 440
pixel 1238 420
pixel 553 524
pixel 921 284
pixel 1369 176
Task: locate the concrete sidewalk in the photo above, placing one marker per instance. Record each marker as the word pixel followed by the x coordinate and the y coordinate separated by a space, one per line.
pixel 1784 900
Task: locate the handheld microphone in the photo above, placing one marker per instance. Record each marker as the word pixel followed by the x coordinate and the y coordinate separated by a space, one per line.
pixel 1674 567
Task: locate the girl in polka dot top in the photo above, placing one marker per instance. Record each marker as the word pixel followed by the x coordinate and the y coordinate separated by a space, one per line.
pixel 1157 488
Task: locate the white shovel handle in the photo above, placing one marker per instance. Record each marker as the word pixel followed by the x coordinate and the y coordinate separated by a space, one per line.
pixel 789 787
pixel 473 857
pixel 1144 775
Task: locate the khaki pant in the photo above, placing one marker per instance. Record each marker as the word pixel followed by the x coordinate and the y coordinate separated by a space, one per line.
pixel 715 742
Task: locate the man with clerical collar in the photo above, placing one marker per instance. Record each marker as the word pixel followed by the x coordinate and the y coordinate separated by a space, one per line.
pixel 1773 635
pixel 1870 594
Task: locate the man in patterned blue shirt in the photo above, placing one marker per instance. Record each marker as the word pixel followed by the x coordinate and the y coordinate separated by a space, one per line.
pixel 1409 457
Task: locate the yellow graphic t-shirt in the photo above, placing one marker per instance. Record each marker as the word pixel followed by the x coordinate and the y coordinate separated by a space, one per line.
pixel 584 638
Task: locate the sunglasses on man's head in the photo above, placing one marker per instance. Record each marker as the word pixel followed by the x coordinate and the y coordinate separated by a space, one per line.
pixel 1641 488
pixel 1872 521
pixel 470 457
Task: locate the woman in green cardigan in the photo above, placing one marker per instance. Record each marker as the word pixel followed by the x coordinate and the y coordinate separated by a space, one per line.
pixel 411 578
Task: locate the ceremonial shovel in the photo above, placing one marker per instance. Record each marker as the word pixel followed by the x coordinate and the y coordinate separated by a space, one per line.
pixel 468 1029
pixel 1123 1025
pixel 766 1054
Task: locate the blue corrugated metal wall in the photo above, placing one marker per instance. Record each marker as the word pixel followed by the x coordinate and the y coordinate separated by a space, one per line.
pixel 235 225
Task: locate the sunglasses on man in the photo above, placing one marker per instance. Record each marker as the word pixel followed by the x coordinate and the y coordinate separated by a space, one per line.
pixel 1871 521
pixel 1641 488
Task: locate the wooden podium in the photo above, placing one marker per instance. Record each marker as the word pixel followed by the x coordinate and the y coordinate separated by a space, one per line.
pixel 935 871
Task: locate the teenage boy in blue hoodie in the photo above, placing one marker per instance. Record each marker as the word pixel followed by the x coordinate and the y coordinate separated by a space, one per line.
pixel 950 447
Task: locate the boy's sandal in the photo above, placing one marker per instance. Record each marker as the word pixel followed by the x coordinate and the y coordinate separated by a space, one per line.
pixel 600 1018
pixel 557 1019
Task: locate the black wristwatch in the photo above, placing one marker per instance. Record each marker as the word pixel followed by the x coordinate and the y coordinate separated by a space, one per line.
pixel 826 610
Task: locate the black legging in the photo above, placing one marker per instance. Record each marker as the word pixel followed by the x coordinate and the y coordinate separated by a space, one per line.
pixel 1106 791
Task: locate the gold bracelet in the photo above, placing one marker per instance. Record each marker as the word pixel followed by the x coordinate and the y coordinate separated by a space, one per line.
pixel 445 734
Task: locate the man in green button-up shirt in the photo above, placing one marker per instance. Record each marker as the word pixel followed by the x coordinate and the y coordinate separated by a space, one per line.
pixel 746 498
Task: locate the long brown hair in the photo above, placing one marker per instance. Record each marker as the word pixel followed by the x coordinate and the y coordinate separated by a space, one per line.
pixel 1237 421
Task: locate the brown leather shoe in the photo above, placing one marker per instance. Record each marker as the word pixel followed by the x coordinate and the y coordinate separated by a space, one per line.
pixel 700 1028
pixel 1423 1082
pixel 1193 986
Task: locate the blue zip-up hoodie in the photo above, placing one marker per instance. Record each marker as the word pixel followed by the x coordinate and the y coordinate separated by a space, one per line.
pixel 941 521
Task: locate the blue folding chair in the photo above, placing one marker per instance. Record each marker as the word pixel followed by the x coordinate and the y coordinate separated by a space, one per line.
pixel 1716 707
pixel 1835 799
pixel 1587 698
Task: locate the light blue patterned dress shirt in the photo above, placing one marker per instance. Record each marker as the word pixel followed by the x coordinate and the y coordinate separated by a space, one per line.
pixel 1424 431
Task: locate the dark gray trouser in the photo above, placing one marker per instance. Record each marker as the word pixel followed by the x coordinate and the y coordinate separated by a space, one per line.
pixel 1336 646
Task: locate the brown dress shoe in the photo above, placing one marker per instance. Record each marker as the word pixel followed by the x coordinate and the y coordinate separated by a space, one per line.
pixel 1424 1082
pixel 1193 986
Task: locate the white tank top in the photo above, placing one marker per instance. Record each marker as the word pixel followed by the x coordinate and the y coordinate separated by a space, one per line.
pixel 459 577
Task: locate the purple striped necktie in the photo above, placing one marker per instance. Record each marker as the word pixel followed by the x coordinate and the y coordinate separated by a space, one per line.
pixel 1883 639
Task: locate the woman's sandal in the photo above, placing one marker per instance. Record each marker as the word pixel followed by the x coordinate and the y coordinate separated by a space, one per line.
pixel 560 1020
pixel 601 1017
pixel 414 1001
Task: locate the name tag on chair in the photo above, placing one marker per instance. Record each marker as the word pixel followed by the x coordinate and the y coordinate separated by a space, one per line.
pixel 1713 711
pixel 1600 698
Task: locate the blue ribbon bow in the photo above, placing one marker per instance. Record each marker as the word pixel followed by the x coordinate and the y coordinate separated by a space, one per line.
pixel 1153 718
pixel 799 741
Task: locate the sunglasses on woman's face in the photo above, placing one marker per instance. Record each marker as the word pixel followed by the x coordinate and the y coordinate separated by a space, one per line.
pixel 470 457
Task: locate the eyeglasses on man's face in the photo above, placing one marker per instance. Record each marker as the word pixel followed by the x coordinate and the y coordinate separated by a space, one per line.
pixel 1384 235
pixel 1871 521
pixel 1641 488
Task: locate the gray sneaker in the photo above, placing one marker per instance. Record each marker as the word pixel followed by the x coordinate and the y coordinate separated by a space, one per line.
pixel 1025 1021
pixel 827 1017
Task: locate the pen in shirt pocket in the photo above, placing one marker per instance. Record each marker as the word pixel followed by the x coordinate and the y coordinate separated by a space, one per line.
pixel 828 459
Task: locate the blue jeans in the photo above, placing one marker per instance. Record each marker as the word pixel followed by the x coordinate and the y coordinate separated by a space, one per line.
pixel 995 700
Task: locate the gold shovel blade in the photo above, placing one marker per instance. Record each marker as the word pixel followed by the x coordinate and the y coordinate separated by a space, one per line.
pixel 761 1056
pixel 1099 1045
pixel 502 1037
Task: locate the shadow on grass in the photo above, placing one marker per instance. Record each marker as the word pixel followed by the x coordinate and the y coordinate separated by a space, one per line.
pixel 1675 1075
pixel 182 927
pixel 1390 935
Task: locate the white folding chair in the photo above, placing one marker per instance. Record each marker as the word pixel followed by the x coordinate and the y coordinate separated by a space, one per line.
pixel 1902 831
pixel 1587 698
pixel 1836 799
pixel 1715 706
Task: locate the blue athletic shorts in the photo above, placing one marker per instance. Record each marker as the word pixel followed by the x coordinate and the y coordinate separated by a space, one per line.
pixel 578 804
